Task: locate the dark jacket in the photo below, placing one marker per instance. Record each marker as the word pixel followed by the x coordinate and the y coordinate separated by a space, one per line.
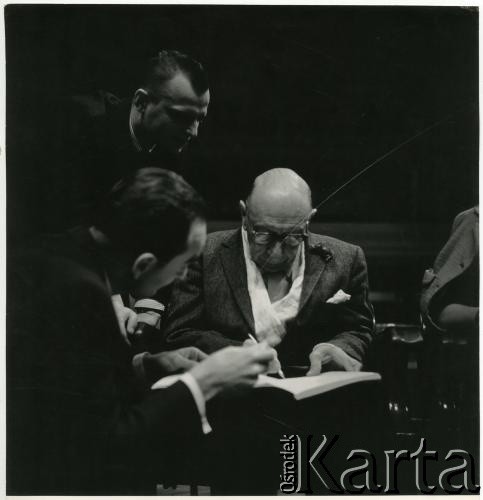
pixel 212 309
pixel 82 149
pixel 78 420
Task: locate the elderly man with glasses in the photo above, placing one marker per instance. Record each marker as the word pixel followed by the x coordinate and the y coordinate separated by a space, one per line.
pixel 273 280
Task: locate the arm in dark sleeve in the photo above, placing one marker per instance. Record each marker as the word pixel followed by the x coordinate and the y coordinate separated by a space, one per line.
pixel 454 308
pixel 355 318
pixel 186 323
pixel 449 295
pixel 140 429
pixel 74 390
pixel 103 357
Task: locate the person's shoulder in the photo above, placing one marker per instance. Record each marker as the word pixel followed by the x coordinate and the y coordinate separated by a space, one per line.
pixel 328 247
pixel 221 238
pixel 86 109
pixel 52 263
pixel 94 104
pixel 73 273
pixel 316 240
pixel 467 215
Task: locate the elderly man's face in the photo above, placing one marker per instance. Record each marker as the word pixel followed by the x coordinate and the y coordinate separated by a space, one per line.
pixel 174 115
pixel 269 250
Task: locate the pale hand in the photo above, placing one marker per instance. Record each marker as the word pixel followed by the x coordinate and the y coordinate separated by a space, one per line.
pixel 127 319
pixel 274 365
pixel 232 367
pixel 327 357
pixel 168 362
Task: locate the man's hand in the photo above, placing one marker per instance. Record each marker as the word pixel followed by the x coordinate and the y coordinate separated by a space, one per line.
pixel 165 363
pixel 330 357
pixel 232 367
pixel 127 319
pixel 274 365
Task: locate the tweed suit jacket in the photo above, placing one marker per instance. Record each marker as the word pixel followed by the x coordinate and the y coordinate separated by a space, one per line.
pixel 211 309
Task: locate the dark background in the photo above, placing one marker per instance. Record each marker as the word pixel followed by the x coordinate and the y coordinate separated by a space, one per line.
pixel 323 90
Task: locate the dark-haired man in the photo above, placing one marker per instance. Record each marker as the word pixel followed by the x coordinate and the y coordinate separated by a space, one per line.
pixel 167 110
pixel 81 418
pixel 96 139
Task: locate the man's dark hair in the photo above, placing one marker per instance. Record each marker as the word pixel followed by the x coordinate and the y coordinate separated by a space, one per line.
pixel 167 63
pixel 150 211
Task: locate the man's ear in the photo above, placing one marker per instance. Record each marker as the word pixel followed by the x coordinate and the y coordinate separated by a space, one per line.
pixel 243 210
pixel 140 99
pixel 143 263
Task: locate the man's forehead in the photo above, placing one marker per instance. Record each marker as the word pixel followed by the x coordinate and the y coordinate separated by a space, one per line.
pixel 179 92
pixel 187 106
pixel 278 210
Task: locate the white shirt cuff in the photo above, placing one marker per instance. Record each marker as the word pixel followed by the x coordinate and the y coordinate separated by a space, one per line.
pixel 195 390
pixel 194 387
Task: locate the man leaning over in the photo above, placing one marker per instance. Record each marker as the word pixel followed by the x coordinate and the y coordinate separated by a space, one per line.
pixel 80 416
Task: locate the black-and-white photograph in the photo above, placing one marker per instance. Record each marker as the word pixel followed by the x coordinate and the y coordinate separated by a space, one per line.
pixel 242 249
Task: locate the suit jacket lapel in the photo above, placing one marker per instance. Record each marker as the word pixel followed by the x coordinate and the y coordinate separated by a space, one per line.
pixel 314 267
pixel 235 271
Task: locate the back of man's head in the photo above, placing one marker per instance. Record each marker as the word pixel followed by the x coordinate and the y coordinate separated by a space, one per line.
pixel 167 63
pixel 150 211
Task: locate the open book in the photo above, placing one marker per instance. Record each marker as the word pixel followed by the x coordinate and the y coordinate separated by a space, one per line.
pixel 299 387
pixel 306 387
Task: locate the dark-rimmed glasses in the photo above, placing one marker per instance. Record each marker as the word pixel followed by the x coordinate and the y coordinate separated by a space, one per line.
pixel 267 238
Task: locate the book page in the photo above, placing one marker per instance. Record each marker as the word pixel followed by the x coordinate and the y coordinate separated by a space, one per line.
pixel 303 387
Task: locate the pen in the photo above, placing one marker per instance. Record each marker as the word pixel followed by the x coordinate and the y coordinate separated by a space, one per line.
pixel 280 372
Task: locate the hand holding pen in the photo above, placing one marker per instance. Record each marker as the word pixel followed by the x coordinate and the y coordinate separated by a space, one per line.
pixel 279 372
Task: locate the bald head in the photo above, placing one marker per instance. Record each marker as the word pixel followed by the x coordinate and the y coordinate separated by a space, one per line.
pixel 280 193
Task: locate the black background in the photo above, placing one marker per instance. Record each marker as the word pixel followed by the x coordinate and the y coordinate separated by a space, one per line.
pixel 322 90
pixel 325 91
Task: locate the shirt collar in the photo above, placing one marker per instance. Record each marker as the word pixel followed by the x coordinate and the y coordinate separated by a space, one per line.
pixel 135 140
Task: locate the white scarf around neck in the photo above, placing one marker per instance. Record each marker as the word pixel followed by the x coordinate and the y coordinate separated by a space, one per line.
pixel 270 317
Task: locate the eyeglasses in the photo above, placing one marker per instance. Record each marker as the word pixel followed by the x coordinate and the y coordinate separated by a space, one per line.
pixel 266 238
